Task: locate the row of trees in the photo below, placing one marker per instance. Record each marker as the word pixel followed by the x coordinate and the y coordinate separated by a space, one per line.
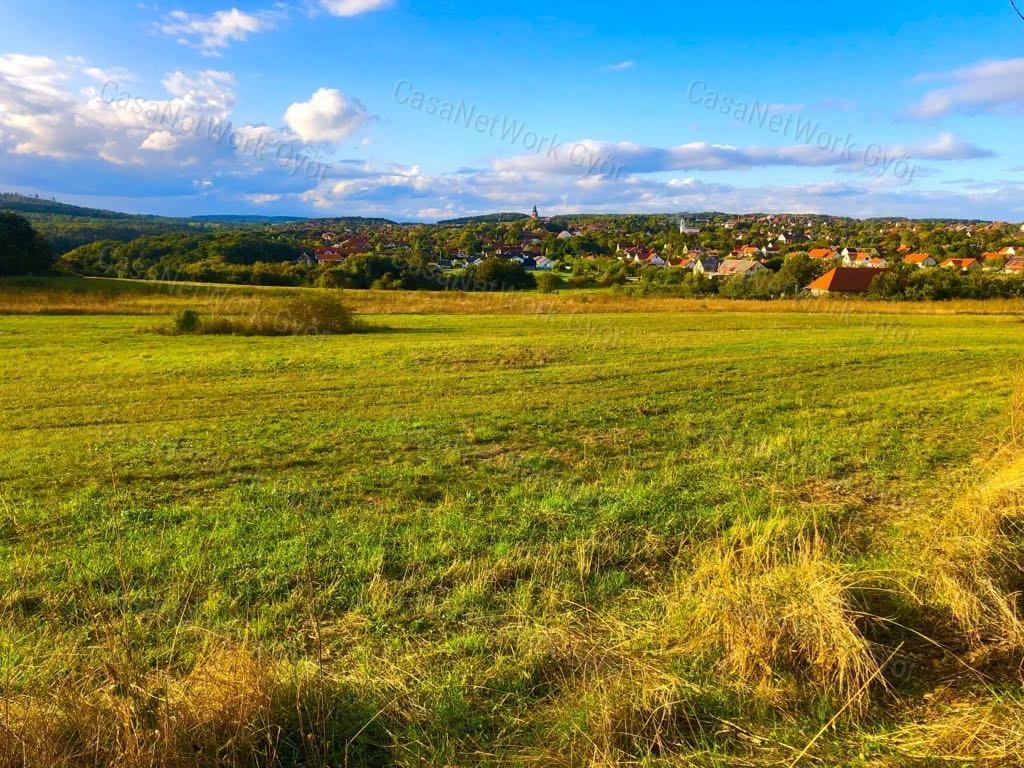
pixel 912 284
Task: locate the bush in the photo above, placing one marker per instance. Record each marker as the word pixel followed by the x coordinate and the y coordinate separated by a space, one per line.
pixel 309 314
pixel 500 275
pixel 548 282
pixel 186 321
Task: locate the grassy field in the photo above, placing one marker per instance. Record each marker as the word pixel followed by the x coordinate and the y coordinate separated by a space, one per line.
pixel 555 531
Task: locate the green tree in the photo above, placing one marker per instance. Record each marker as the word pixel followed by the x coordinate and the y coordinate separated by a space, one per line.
pixel 22 250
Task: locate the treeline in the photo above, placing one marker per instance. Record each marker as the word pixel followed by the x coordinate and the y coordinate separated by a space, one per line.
pixel 230 256
pixel 259 258
pixel 913 284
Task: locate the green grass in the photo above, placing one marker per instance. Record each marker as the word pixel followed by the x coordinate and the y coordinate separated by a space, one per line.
pixel 479 524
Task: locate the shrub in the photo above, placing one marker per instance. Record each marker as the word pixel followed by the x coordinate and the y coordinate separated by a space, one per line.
pixel 307 314
pixel 548 282
pixel 500 275
pixel 186 321
pixel 311 313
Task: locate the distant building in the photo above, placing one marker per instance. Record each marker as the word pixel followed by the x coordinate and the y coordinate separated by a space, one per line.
pixel 823 253
pixel 922 260
pixel 686 229
pixel 845 280
pixel 733 267
pixel 963 265
pixel 1014 267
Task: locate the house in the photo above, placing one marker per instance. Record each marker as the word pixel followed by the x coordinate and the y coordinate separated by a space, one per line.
pixel 1014 266
pixel 329 256
pixel 747 252
pixel 993 259
pixel 903 250
pixel 845 280
pixel 544 263
pixel 706 265
pixel 853 257
pixel 922 260
pixel 1008 252
pixel 823 253
pixel 509 252
pixel 742 267
pixel 964 265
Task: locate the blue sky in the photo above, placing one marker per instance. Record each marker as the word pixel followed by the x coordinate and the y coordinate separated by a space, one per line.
pixel 419 111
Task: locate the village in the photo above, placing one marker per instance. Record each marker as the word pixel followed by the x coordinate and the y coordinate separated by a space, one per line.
pixel 714 246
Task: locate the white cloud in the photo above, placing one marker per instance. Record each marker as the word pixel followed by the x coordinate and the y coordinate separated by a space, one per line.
pixel 211 34
pixel 353 7
pixel 590 157
pixel 946 147
pixel 327 117
pixel 209 89
pixel 160 141
pixel 989 86
pixel 261 199
pixel 620 67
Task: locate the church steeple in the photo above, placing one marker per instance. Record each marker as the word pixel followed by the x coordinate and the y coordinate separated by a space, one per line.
pixel 534 215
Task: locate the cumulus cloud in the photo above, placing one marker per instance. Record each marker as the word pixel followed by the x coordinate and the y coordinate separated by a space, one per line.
pixel 60 131
pixel 989 86
pixel 211 34
pixel 327 117
pixel 160 141
pixel 353 7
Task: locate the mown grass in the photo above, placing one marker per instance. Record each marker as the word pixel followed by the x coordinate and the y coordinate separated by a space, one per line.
pixel 671 538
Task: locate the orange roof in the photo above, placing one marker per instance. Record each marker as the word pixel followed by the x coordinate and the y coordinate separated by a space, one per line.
pixel 917 258
pixel 821 253
pixel 960 263
pixel 846 280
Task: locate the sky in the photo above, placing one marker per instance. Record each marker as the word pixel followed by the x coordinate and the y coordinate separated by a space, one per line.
pixel 419 111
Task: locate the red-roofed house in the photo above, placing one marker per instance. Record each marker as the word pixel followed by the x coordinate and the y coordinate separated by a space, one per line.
pixel 823 253
pixel 964 265
pixel 922 260
pixel 845 280
pixel 329 256
pixel 732 267
pixel 1014 266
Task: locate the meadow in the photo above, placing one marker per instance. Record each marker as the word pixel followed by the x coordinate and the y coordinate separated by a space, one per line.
pixel 575 530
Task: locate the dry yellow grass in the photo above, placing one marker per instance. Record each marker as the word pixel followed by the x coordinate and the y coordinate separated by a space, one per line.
pixel 136 297
pixel 777 611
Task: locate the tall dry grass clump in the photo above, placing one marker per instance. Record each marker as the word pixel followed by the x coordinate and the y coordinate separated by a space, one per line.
pixel 776 613
pixel 611 697
pixel 964 731
pixel 221 714
pixel 234 708
pixel 965 565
